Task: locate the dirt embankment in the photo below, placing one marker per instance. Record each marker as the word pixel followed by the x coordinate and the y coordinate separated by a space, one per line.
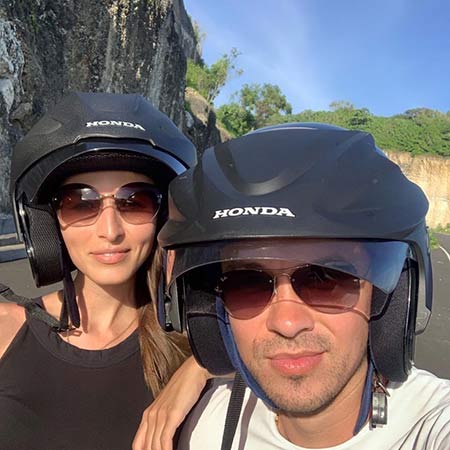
pixel 432 174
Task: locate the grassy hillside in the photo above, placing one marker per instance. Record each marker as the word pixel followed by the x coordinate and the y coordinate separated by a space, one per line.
pixel 419 131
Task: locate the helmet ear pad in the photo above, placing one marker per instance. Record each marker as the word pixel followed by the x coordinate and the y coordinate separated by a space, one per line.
pixel 195 292
pixel 188 306
pixel 392 332
pixel 204 333
pixel 44 244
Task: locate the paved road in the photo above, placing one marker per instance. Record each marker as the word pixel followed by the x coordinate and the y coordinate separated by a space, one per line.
pixel 432 347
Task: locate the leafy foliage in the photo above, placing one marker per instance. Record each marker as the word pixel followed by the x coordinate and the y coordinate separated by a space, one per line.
pixel 208 80
pixel 418 131
pixel 434 243
pixel 255 107
pixel 434 240
pixel 443 229
pixel 236 119
pixel 199 34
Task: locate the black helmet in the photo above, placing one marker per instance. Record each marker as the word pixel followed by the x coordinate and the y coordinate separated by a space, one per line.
pixel 309 181
pixel 86 132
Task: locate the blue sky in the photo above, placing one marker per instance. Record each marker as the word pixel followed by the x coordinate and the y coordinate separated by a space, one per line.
pixel 385 55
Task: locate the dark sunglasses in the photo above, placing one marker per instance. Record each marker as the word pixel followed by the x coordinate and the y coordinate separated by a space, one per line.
pixel 246 293
pixel 80 205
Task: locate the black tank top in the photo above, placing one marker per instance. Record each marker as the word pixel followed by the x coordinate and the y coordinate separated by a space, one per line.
pixel 55 396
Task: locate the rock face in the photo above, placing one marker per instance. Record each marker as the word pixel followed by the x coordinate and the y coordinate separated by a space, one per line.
pixel 11 67
pixel 200 122
pixel 432 174
pixel 49 48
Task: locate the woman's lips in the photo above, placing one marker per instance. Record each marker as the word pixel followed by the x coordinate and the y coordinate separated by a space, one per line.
pixel 296 363
pixel 111 257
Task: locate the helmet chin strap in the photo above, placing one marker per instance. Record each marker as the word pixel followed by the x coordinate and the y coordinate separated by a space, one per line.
pixel 69 309
pixel 373 401
pixel 233 354
pixel 366 400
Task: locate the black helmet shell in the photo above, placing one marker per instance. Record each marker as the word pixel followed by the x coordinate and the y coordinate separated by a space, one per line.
pixel 96 119
pixel 294 182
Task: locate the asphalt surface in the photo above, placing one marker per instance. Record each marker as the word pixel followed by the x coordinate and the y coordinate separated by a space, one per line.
pixel 432 347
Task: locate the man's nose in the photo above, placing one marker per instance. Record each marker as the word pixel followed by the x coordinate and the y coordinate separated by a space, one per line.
pixel 288 315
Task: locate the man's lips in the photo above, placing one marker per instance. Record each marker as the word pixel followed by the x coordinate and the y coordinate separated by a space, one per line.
pixel 110 256
pixel 299 363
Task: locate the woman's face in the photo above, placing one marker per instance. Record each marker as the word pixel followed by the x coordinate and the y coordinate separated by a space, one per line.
pixel 109 251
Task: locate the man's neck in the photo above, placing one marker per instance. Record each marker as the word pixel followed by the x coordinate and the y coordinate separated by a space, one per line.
pixel 331 426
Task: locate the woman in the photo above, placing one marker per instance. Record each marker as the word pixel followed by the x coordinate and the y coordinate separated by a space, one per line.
pixel 88 187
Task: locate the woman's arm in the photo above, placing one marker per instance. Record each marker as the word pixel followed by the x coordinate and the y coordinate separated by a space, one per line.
pixel 162 418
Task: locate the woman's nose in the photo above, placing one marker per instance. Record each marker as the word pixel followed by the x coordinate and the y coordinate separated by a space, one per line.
pixel 109 223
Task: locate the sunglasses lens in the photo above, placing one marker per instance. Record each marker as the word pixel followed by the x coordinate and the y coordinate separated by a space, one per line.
pixel 138 203
pixel 78 206
pixel 245 293
pixel 326 290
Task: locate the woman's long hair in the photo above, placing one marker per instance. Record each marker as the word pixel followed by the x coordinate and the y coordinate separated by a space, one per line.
pixel 162 353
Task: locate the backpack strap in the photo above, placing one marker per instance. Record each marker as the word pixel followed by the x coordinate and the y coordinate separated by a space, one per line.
pixel 33 308
pixel 233 411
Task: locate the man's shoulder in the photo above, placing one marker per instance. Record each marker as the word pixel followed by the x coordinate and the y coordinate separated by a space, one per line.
pixel 419 408
pixel 426 374
pixel 422 391
pixel 205 424
pixel 426 382
pixel 216 398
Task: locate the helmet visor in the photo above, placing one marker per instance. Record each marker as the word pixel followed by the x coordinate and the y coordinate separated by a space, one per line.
pixel 378 262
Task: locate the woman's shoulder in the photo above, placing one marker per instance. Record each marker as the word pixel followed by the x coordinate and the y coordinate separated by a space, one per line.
pixel 12 317
pixel 11 312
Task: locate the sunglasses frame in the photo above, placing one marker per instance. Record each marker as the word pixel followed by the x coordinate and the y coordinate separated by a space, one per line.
pixel 57 199
pixel 273 275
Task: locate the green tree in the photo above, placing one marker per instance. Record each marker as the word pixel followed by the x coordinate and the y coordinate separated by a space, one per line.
pixel 359 117
pixel 236 119
pixel 254 106
pixel 422 112
pixel 209 80
pixel 341 105
pixel 199 35
pixel 264 102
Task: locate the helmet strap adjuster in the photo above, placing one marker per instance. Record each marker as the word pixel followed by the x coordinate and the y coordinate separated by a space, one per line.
pixel 379 401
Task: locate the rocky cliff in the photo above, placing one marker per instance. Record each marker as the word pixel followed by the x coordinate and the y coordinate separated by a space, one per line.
pixel 50 47
pixel 200 122
pixel 432 174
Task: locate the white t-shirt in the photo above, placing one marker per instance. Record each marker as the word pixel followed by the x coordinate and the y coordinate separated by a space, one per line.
pixel 418 419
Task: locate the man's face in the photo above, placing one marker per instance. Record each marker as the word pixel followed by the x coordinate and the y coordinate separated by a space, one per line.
pixel 303 359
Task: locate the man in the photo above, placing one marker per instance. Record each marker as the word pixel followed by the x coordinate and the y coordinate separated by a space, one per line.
pixel 299 258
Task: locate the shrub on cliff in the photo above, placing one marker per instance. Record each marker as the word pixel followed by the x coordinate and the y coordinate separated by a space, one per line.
pixel 209 80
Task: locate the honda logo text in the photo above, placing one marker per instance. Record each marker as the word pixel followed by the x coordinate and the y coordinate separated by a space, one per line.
pixel 253 211
pixel 114 123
